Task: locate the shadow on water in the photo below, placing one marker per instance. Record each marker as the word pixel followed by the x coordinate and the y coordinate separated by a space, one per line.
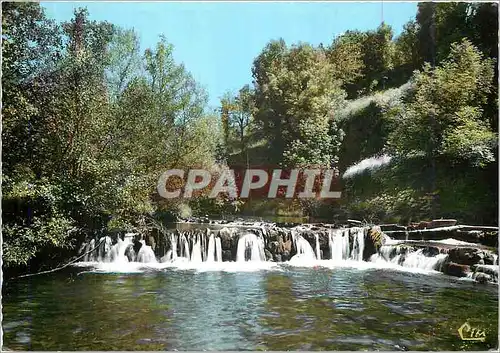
pixel 293 309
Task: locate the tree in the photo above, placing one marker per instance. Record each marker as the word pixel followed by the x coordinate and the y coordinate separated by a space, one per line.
pixel 237 113
pixel 31 46
pixel 454 95
pixel 345 55
pixel 295 100
pixel 124 61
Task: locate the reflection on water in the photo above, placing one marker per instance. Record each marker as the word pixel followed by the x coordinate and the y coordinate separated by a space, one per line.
pixel 293 309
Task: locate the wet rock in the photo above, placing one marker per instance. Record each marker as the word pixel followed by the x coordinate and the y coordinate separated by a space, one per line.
pixel 436 223
pixel 287 246
pixel 269 256
pixel 137 245
pixel 272 235
pixel 392 227
pixel 324 240
pixel 454 269
pixel 287 224
pixel 227 238
pixel 373 242
pixel 227 255
pixel 285 256
pixel 465 256
pixel 491 270
pixel 482 278
pixel 430 251
pixel 420 225
pixel 150 241
pixel 489 258
pixel 277 258
pixel 488 238
pixel 130 253
pixel 273 247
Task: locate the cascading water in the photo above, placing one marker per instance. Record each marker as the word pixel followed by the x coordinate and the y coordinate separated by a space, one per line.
pixel 318 250
pixel 184 247
pixel 358 244
pixel 346 246
pixel 408 257
pixel 173 240
pixel 90 256
pixel 304 249
pixel 211 249
pixel 250 248
pixel 338 241
pixel 118 250
pixel 146 254
pixel 196 253
pixel 218 249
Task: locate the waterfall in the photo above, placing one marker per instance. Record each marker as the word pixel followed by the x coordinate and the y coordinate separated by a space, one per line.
pixel 252 242
pixel 184 246
pixel 304 249
pixel 146 254
pixel 250 248
pixel 211 249
pixel 173 242
pixel 358 244
pixel 204 246
pixel 104 250
pixel 318 251
pixel 196 253
pixel 338 241
pixel 218 249
pixel 167 257
pixel 117 253
pixel 408 257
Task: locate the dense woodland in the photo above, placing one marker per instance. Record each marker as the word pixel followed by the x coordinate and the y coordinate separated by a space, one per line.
pixel 90 122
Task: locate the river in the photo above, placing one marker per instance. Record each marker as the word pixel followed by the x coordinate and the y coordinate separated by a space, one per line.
pixel 278 307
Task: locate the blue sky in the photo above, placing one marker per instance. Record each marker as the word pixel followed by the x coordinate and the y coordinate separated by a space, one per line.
pixel 217 41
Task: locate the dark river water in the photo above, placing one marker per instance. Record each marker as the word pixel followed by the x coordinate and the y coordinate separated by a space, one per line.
pixel 280 309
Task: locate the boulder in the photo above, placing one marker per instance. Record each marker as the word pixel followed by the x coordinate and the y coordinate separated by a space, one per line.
pixel 277 258
pixel 490 270
pixel 373 241
pixel 430 251
pixel 454 269
pixel 489 258
pixel 227 238
pixel 465 256
pixel 482 278
pixel 273 247
pixel 269 256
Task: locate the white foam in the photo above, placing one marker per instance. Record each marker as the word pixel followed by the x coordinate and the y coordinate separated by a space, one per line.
pixel 248 266
pixel 451 241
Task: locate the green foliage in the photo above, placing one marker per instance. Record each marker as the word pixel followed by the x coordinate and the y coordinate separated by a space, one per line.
pixel 90 127
pixel 89 123
pixel 295 96
pixel 34 220
pixel 444 115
